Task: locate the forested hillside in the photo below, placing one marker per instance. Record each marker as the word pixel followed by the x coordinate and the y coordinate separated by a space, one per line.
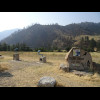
pixel 53 36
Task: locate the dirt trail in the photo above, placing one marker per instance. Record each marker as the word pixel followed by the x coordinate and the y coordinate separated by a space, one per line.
pixel 7 77
pixel 17 65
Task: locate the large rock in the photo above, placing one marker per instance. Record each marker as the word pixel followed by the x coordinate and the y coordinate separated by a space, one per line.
pixel 64 67
pixel 47 82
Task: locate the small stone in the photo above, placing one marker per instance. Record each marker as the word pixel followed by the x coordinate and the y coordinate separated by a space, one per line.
pixel 47 82
pixel 64 67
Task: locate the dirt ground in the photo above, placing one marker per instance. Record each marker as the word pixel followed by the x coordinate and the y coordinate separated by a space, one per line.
pixel 16 75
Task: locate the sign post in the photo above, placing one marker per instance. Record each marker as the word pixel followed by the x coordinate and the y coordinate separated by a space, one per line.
pixel 16 55
pixel 42 58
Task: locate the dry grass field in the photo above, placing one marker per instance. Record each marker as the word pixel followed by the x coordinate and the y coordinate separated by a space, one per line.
pixel 28 71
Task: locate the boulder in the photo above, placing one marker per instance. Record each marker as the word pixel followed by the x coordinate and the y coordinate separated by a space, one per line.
pixel 64 67
pixel 47 82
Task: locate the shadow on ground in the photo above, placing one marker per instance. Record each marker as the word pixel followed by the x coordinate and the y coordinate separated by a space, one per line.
pixel 96 67
pixel 5 74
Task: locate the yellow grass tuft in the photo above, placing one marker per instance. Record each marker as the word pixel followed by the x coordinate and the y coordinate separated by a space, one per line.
pixel 4 67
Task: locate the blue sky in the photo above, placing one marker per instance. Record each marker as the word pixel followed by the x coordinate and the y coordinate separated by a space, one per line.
pixel 10 20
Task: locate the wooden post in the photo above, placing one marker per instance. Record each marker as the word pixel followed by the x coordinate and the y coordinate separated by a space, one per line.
pixel 15 56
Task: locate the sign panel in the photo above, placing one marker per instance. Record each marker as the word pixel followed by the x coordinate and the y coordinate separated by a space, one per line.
pixel 76 52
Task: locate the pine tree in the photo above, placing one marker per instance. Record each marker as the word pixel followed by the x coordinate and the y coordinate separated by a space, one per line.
pixel 92 44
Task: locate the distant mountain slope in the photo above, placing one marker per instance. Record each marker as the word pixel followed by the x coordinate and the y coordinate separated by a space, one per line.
pixel 52 35
pixel 84 28
pixel 6 33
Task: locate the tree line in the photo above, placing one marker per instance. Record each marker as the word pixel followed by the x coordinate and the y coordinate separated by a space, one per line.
pixel 20 46
pixel 84 43
pixel 89 45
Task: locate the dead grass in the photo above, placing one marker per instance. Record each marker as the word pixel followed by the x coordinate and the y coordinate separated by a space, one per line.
pixel 29 76
pixel 4 67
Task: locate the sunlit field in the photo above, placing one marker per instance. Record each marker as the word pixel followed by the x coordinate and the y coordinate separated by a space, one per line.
pixel 29 70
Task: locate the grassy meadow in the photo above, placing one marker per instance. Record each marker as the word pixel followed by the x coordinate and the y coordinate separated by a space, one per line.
pixel 31 71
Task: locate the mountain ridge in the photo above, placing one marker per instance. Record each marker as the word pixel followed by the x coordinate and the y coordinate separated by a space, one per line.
pixel 52 35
